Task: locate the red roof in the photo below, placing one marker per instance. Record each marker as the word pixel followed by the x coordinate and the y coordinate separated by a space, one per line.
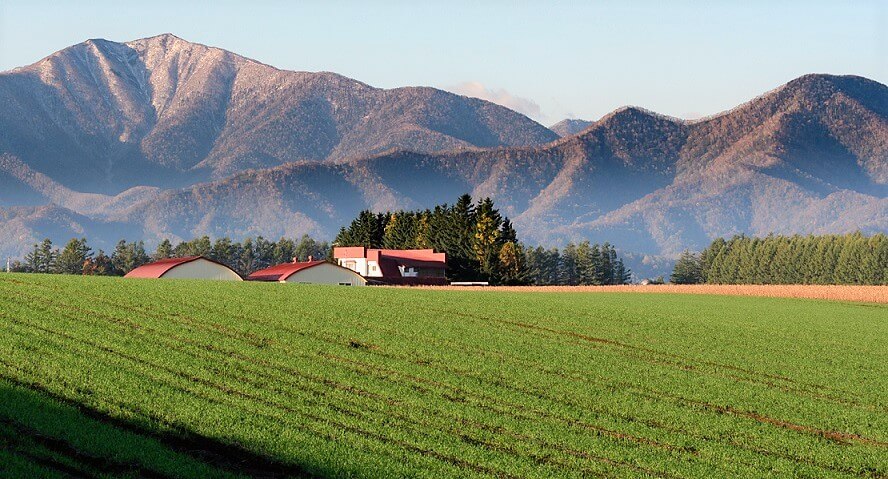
pixel 427 255
pixel 349 252
pixel 390 259
pixel 158 268
pixel 424 258
pixel 419 258
pixel 282 271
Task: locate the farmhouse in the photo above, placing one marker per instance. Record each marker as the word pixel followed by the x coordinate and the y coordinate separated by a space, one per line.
pixel 316 272
pixel 190 267
pixel 394 266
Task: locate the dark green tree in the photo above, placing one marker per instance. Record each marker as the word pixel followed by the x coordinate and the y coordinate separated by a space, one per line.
pixel 42 257
pixel 284 251
pixel 128 256
pixel 512 268
pixel 164 250
pixel 74 257
pixel 687 269
pixel 486 241
pixel 569 269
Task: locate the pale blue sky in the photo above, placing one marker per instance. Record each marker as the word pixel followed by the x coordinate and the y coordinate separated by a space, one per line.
pixel 577 59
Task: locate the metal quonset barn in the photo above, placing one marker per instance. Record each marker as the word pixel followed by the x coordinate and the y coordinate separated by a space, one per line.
pixel 191 267
pixel 315 272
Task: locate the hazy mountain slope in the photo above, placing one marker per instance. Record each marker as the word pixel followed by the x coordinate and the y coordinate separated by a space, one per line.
pixel 21 227
pixel 808 157
pixel 102 116
pixel 570 126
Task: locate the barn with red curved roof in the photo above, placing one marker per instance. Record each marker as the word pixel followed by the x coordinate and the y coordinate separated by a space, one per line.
pixel 189 267
pixel 312 272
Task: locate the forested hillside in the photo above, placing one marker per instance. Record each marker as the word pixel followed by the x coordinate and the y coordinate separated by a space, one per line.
pixel 162 138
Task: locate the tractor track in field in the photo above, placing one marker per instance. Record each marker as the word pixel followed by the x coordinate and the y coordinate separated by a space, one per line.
pixel 834 435
pixel 84 462
pixel 534 414
pixel 177 438
pixel 276 406
pixel 686 364
pixel 856 293
pixel 539 459
pixel 572 422
pixel 683 364
pixel 493 446
pixel 259 342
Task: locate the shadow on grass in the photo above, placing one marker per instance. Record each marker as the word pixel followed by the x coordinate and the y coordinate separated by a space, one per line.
pixel 45 436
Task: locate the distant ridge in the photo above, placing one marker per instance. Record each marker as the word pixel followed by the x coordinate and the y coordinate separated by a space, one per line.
pixel 164 138
pixel 569 126
pixel 166 112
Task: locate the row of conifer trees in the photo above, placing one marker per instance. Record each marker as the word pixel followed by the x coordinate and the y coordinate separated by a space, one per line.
pixel 827 259
pixel 245 257
pixel 482 245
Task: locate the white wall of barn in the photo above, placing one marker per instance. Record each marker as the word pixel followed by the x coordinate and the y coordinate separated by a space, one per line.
pixel 201 269
pixel 327 274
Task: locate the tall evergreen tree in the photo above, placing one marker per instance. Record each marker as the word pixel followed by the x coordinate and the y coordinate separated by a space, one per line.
pixel 284 251
pixel 164 250
pixel 687 269
pixel 569 275
pixel 100 265
pixel 401 231
pixel 512 269
pixel 74 257
pixel 307 247
pixel 42 258
pixel 622 275
pixel 225 251
pixel 128 256
pixel 507 232
pixel 486 239
pixel 246 262
pixel 264 251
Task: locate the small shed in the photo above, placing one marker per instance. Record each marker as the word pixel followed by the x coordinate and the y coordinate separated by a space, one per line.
pixel 190 267
pixel 310 272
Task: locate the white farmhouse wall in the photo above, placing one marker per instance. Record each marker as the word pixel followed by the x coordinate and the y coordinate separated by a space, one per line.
pixel 327 274
pixel 373 269
pixel 360 266
pixel 201 269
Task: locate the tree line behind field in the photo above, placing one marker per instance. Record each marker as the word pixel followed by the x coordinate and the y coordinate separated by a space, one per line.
pixel 828 259
pixel 253 254
pixel 482 245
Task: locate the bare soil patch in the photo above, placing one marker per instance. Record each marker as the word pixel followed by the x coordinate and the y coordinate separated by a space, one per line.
pixel 867 294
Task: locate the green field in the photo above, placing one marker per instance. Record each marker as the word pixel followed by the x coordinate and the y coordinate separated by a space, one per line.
pixel 105 377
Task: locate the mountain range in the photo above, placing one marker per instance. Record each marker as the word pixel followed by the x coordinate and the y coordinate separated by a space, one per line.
pixel 161 137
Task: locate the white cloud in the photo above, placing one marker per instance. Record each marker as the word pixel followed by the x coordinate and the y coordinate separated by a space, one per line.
pixel 500 96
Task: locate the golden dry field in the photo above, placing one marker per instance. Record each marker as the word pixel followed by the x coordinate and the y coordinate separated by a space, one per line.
pixel 868 294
